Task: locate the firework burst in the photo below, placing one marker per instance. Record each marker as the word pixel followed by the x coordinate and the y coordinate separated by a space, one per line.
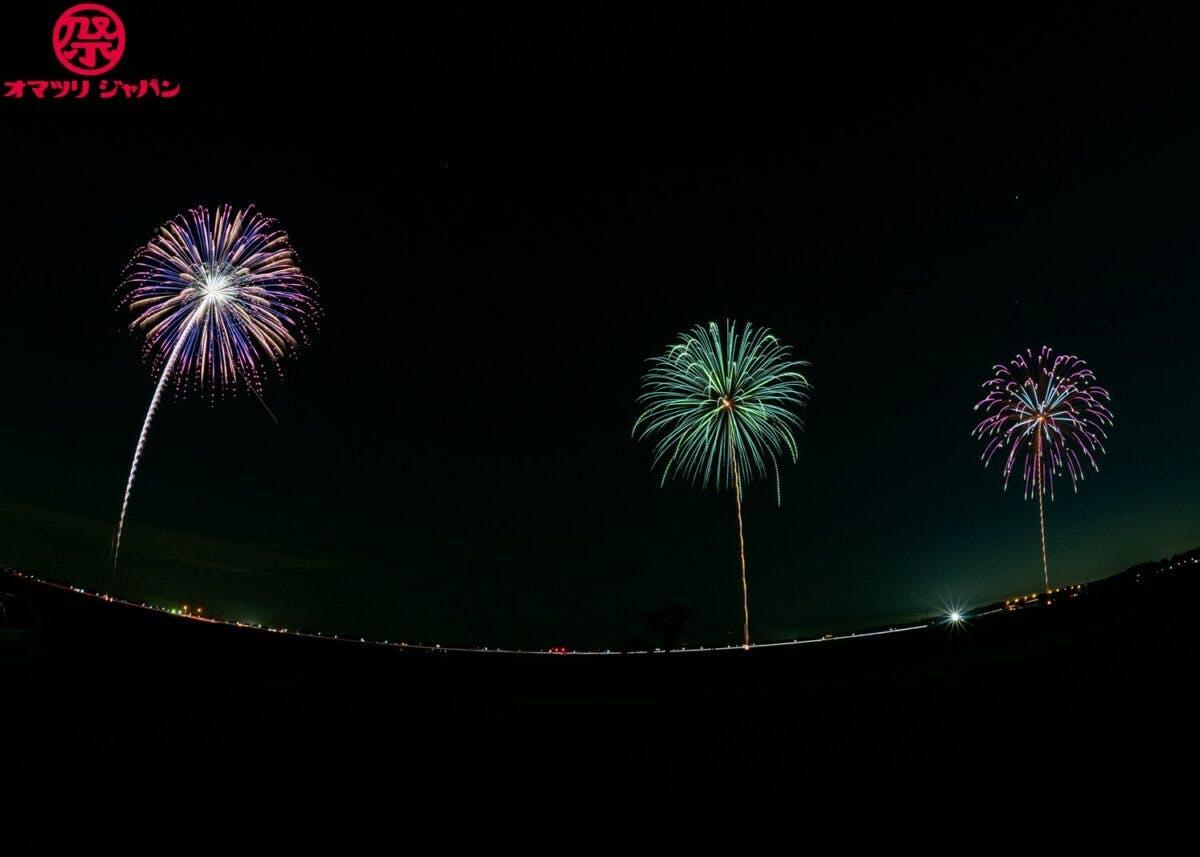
pixel 1047 415
pixel 220 301
pixel 723 405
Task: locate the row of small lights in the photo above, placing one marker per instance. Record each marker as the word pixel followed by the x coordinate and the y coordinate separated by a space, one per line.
pixel 1036 597
pixel 187 612
pixel 952 617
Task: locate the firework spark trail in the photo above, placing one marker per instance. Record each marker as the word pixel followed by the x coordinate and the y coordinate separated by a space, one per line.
pixel 141 443
pixel 262 402
pixel 723 405
pixel 1041 492
pixel 1049 410
pixel 737 492
pixel 220 300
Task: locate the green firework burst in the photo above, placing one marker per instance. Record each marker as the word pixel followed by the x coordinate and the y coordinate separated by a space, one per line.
pixel 716 395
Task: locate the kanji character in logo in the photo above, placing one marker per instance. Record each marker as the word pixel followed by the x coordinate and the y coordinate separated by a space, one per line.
pixel 89 39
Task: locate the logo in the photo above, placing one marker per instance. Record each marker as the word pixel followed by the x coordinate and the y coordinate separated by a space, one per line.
pixel 89 39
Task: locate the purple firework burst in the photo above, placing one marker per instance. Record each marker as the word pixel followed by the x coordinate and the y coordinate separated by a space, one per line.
pixel 1048 411
pixel 220 299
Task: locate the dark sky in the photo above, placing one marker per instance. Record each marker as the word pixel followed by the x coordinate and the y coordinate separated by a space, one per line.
pixel 508 211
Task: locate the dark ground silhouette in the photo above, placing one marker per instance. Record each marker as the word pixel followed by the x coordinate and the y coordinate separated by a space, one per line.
pixel 1094 683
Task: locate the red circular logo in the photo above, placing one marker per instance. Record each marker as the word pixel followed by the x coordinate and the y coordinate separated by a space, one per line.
pixel 89 38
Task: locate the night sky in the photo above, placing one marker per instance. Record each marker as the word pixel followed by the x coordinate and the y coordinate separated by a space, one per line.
pixel 508 211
